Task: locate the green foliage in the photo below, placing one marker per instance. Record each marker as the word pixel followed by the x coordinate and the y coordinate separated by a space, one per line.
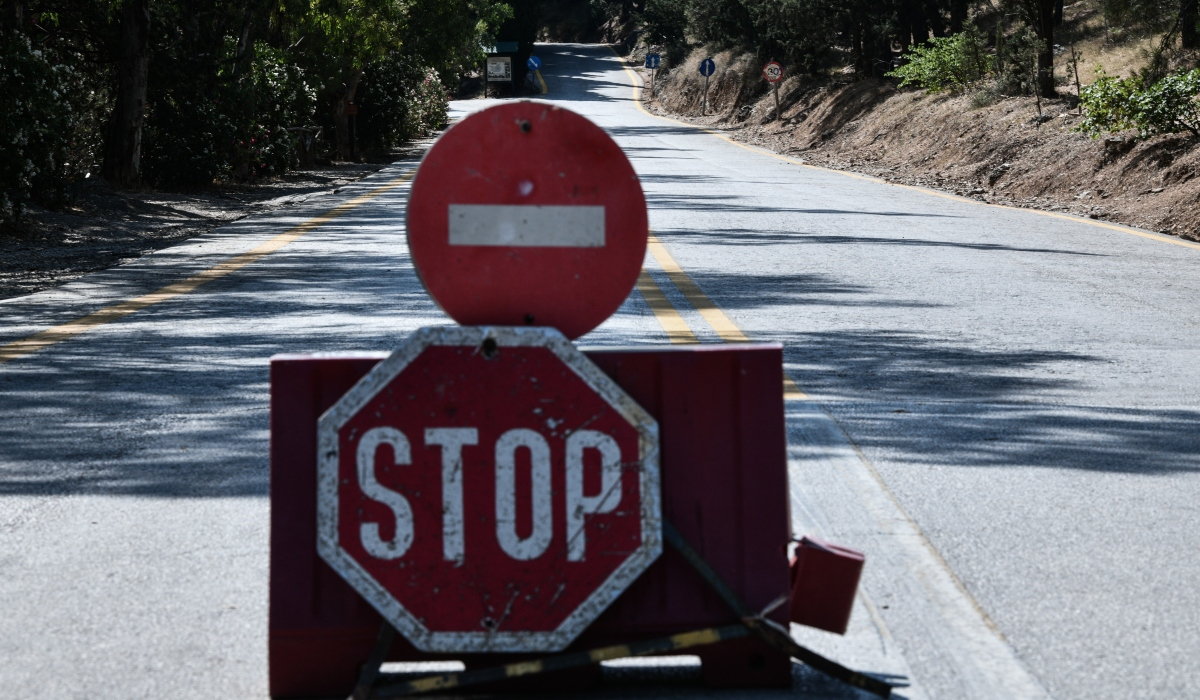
pixel 947 63
pixel 401 101
pixel 228 125
pixel 226 79
pixel 1016 62
pixel 1107 104
pixel 38 115
pixel 665 22
pixel 1168 106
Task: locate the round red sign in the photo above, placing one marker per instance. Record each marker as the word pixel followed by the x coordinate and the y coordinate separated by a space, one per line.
pixel 527 214
pixel 773 72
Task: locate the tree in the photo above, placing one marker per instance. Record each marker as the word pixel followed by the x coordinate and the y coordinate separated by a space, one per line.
pixel 123 142
pixel 1188 16
pixel 1040 15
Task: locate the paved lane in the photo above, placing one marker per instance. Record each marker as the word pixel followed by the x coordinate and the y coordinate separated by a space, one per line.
pixel 1026 386
pixel 1022 384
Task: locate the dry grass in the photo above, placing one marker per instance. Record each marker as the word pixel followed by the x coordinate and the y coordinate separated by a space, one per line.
pixel 996 153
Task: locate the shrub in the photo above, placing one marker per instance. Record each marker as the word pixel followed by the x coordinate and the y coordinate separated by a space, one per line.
pixel 399 100
pixel 665 22
pixel 946 63
pixel 37 119
pixel 1168 106
pixel 1107 104
pixel 201 128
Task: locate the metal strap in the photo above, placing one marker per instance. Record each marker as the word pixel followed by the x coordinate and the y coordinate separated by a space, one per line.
pixel 370 670
pixel 770 632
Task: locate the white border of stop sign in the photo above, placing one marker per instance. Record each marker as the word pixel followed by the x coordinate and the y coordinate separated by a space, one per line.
pixel 497 640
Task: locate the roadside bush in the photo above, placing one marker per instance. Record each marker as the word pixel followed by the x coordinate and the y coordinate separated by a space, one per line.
pixel 399 100
pixel 1168 106
pixel 665 22
pixel 1016 62
pixel 231 125
pixel 946 63
pixel 37 119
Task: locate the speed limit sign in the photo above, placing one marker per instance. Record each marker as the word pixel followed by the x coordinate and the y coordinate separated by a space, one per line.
pixel 773 72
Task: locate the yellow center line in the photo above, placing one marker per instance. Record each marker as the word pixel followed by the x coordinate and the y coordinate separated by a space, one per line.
pixel 726 329
pixel 716 318
pixel 541 80
pixel 57 334
pixel 672 323
pixel 1161 238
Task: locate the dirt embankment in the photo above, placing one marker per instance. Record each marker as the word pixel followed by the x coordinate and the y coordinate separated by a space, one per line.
pixel 1000 152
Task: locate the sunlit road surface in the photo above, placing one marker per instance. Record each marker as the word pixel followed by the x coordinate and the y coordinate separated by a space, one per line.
pixel 1000 407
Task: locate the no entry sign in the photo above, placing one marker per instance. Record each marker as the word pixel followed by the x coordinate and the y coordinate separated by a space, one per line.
pixel 488 490
pixel 527 214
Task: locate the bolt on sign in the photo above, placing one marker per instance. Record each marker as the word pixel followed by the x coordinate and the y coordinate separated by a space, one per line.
pixel 527 214
pixel 488 490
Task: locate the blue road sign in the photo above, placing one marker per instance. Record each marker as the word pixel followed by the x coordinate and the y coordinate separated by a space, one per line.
pixel 652 60
pixel 534 63
pixel 707 67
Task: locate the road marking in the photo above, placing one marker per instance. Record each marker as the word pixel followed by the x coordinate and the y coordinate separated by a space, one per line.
pixel 527 225
pixel 668 317
pixel 725 329
pixel 57 334
pixel 1150 235
pixel 720 323
pixel 982 656
pixel 541 80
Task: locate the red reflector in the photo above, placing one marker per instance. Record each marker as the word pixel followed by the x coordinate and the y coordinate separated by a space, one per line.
pixel 824 581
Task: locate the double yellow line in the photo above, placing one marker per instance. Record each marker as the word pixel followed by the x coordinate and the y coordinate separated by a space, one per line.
pixel 673 323
pixel 108 314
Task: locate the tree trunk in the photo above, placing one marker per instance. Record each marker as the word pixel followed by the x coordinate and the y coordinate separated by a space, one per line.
pixel 1187 24
pixel 346 147
pixel 1058 13
pixel 1042 17
pixel 916 21
pixel 958 15
pixel 933 15
pixel 13 15
pixel 123 142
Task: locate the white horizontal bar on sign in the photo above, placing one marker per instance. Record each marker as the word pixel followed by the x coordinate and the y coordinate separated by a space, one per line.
pixel 522 225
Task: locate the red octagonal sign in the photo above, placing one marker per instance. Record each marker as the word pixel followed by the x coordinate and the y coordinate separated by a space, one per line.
pixel 488 489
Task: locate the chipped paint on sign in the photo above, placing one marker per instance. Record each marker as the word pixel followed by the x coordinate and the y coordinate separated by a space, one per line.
pixel 488 490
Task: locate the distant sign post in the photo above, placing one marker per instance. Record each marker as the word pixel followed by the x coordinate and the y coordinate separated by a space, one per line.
pixel 527 214
pixel 773 73
pixel 499 69
pixel 533 63
pixel 707 68
pixel 652 61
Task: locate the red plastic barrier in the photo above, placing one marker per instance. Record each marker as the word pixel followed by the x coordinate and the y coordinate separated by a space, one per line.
pixel 724 486
pixel 824 582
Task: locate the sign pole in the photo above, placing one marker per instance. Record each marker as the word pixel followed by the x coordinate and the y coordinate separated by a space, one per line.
pixel 776 91
pixel 704 109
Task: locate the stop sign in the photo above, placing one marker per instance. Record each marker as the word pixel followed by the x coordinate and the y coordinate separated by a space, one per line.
pixel 527 214
pixel 488 489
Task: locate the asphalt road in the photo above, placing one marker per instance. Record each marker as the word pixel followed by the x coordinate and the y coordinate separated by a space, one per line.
pixel 1003 411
